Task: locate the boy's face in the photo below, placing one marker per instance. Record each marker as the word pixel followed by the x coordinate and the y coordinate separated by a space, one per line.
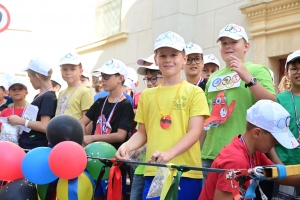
pixel 33 80
pixel 208 69
pixel 153 80
pixel 17 92
pixel 71 74
pixel 193 65
pixel 237 48
pixel 85 81
pixel 111 81
pixel 294 73
pixel 170 61
pixel 264 141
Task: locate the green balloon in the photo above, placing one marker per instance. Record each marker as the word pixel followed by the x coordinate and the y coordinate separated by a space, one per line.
pixel 99 150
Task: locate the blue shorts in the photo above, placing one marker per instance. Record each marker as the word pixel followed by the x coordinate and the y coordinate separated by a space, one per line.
pixel 102 188
pixel 189 188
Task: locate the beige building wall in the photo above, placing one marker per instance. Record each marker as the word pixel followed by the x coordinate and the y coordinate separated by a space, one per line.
pixel 52 27
pixel 198 21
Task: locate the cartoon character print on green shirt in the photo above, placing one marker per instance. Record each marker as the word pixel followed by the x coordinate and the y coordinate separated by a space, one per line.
pixel 220 111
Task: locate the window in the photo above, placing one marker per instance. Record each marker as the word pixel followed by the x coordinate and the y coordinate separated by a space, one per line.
pixel 108 18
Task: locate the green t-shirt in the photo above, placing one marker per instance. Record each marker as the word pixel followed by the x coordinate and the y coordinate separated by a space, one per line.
pixel 289 156
pixel 228 106
pixel 140 170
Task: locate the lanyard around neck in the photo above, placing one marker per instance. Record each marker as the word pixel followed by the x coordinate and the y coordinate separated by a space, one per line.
pixel 111 112
pixel 244 143
pixel 61 111
pixel 296 112
pixel 13 110
pixel 199 81
pixel 43 92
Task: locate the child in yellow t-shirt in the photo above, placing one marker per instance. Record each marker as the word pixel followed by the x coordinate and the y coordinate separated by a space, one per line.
pixel 76 99
pixel 170 118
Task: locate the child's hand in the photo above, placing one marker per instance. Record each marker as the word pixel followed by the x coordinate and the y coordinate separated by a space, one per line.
pixel 122 153
pixel 15 120
pixel 160 157
pixel 87 139
pixel 237 66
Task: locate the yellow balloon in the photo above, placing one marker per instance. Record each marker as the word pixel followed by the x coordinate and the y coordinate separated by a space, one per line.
pixel 80 188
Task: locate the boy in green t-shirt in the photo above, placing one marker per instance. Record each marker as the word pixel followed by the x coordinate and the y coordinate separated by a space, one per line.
pixel 231 91
pixel 290 100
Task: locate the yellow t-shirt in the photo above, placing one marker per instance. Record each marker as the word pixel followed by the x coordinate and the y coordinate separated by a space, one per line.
pixel 72 101
pixel 191 102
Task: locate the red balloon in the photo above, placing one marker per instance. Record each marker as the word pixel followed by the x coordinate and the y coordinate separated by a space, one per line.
pixel 11 156
pixel 67 160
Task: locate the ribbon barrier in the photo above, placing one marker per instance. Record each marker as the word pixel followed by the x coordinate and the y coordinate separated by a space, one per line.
pixel 279 171
pixel 111 166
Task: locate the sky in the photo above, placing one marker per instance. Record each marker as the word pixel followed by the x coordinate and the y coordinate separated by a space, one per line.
pixel 45 29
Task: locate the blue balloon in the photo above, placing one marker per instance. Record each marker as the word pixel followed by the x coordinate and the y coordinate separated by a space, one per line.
pixel 35 166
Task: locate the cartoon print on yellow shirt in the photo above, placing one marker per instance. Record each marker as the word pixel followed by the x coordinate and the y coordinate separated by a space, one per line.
pixel 220 111
pixel 180 102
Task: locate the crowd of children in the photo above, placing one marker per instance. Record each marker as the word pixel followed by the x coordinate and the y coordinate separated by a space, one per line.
pixel 174 120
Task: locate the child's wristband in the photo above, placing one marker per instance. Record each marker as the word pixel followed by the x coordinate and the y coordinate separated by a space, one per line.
pixel 26 123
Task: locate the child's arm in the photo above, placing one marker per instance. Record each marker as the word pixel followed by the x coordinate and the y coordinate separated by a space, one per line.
pixel 118 136
pixel 89 129
pixel 274 157
pixel 84 122
pixel 40 126
pixel 192 136
pixel 136 141
pixel 258 91
pixel 83 113
pixel 222 195
pixel 202 138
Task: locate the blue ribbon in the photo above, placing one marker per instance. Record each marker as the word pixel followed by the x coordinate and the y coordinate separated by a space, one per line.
pixel 281 171
pixel 72 189
pixel 250 193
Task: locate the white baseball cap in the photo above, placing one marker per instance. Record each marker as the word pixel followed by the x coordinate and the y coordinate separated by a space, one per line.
pixel 58 79
pixel 233 31
pixel 132 75
pixel 169 39
pixel 70 58
pixel 211 58
pixel 130 84
pixel 15 81
pixel 39 66
pixel 4 83
pixel 143 61
pixel 142 70
pixel 192 48
pixel 114 66
pixel 87 74
pixel 272 117
pixel 292 57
